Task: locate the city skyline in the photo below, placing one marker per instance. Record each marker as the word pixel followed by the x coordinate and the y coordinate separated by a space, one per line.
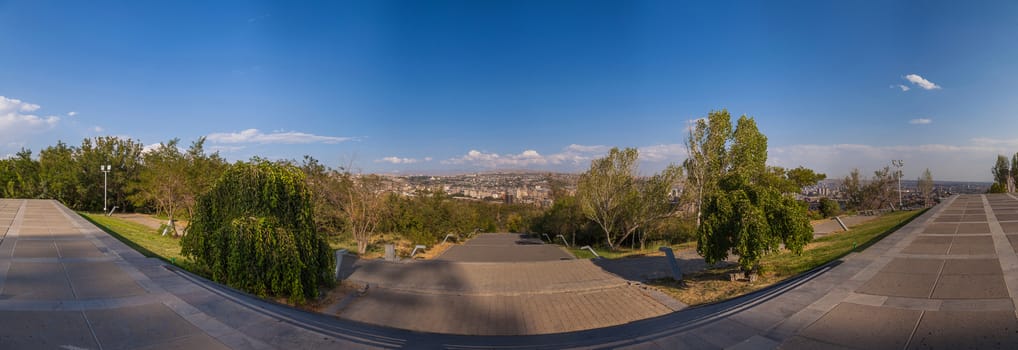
pixel 445 87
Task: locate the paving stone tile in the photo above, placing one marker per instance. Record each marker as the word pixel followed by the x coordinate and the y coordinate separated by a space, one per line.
pixel 866 327
pixel 45 281
pixel 966 330
pixel 1007 217
pixel 972 267
pixel 970 287
pixel 803 343
pixel 1009 227
pixel 78 249
pixel 937 228
pixel 198 341
pixel 35 249
pixel 44 330
pixel 910 265
pixel 972 245
pixel 973 227
pixel 900 284
pixel 101 280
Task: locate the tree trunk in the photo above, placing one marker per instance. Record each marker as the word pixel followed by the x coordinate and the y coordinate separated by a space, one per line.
pixel 362 246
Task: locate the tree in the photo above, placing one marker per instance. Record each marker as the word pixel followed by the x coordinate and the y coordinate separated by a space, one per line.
pixel 605 189
pixel 803 177
pixel 829 207
pixel 743 215
pixel 706 146
pixel 880 191
pixel 254 230
pixel 1013 176
pixel 124 155
pixel 163 181
pixel 565 217
pixel 57 171
pixel 851 186
pixel 22 180
pixel 925 186
pixel 649 202
pixel 362 207
pixel 1002 173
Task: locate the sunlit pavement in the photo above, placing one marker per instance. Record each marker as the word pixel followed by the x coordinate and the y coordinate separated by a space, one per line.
pixel 946 280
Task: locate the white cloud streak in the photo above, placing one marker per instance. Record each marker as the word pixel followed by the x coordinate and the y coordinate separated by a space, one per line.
pixel 277 137
pixel 399 160
pixel 902 87
pixel 920 121
pixel 921 82
pixel 72 113
pixel 573 155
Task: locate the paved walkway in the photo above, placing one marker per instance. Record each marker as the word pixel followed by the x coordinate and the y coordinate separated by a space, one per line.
pixel 499 284
pixel 946 280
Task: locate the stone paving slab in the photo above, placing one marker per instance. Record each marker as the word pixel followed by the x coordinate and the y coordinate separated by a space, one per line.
pixel 864 327
pixel 45 330
pixel 36 281
pixel 140 326
pixel 966 330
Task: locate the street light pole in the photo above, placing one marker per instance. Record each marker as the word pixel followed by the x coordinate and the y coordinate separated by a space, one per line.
pixel 105 169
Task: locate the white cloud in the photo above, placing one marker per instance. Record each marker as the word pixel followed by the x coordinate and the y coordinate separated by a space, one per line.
pixel 72 113
pixel 920 121
pixel 16 119
pixel 276 137
pixel 225 149
pixel 902 87
pixel 999 143
pixel 97 129
pixel 673 153
pixel 921 82
pixel 575 156
pixel 398 160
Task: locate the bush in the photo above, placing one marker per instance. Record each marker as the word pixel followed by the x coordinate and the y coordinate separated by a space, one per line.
pixel 829 207
pixel 254 230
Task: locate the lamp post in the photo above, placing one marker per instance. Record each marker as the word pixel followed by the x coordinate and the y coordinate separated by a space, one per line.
pixel 898 163
pixel 105 169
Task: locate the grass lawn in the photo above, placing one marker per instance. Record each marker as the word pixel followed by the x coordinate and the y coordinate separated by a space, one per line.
pixel 145 240
pixel 713 285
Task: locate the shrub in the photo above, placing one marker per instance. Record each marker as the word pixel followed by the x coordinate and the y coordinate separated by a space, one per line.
pixel 254 230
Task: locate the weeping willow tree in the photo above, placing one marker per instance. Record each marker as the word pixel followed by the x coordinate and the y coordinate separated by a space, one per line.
pixel 254 230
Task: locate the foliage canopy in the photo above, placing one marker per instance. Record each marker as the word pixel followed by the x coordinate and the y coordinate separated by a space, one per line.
pixel 254 230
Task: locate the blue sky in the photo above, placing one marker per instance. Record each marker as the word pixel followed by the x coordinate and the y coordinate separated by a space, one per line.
pixel 457 86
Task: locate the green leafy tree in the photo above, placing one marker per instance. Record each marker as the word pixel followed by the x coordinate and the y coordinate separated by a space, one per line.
pixel 851 186
pixel 565 217
pixel 704 165
pixel 163 181
pixel 605 190
pixel 925 186
pixel 803 177
pixel 829 207
pixel 1013 175
pixel 58 172
pixel 254 230
pixel 22 180
pixel 1002 173
pixel 743 215
pixel 649 202
pixel 124 155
